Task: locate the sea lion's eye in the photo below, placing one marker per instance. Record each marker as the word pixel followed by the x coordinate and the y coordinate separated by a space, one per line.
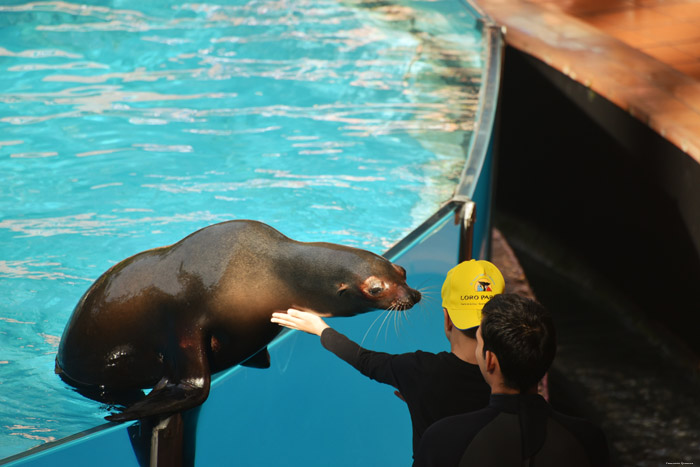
pixel 373 286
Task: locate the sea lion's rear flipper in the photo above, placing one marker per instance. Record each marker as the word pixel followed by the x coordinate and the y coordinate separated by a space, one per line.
pixel 259 360
pixel 188 389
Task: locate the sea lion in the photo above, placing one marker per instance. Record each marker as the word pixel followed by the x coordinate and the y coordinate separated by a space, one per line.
pixel 169 317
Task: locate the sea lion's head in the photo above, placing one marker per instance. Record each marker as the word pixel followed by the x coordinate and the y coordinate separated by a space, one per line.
pixel 370 282
pixel 388 289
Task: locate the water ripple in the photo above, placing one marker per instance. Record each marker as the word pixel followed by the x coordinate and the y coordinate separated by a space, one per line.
pixel 29 269
pixel 94 224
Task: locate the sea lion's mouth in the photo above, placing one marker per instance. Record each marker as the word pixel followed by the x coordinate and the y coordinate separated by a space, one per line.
pixel 406 303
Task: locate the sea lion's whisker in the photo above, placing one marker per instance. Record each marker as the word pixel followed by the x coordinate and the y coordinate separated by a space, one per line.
pixel 392 323
pixel 428 298
pixel 388 313
pixel 406 317
pixel 427 291
pixel 423 286
pixel 383 316
pixel 371 326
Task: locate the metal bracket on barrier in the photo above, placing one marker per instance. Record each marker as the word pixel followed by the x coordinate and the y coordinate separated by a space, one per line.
pixel 467 218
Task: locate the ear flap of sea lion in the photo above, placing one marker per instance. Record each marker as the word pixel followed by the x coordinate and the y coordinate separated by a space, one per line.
pixel 342 288
pixel 400 270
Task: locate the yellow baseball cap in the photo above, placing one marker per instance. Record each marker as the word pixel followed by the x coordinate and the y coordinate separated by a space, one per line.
pixel 467 288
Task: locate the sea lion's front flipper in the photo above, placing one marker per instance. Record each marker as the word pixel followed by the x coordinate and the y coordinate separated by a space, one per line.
pixel 259 360
pixel 188 388
pixel 166 398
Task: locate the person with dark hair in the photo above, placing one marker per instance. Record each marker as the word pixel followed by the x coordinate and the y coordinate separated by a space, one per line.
pixel 516 344
pixel 433 386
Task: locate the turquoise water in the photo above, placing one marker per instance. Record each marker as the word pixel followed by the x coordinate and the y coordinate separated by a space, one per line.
pixel 126 125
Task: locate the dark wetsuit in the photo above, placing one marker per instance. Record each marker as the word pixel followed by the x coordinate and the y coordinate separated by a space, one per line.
pixel 434 386
pixel 514 430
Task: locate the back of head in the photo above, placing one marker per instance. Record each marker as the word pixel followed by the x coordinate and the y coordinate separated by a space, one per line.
pixel 520 332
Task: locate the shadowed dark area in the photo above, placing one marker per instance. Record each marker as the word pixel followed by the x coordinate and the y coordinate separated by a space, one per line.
pixel 601 213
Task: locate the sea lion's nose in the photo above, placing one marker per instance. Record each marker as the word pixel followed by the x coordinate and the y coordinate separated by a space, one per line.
pixel 415 296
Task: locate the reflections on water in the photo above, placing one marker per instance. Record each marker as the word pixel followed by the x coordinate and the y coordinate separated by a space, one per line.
pixel 29 432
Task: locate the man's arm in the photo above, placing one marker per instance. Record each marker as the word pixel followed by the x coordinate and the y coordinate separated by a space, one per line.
pixel 375 365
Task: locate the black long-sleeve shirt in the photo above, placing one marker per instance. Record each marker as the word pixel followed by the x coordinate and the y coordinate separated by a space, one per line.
pixel 514 430
pixel 434 386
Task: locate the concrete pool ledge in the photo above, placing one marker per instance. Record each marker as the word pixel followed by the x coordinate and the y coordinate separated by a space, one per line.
pixel 664 99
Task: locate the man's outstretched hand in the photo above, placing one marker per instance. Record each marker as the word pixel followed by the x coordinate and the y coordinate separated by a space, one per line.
pixel 301 320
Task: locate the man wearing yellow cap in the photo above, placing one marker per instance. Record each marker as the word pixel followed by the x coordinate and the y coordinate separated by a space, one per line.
pixel 467 288
pixel 434 386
